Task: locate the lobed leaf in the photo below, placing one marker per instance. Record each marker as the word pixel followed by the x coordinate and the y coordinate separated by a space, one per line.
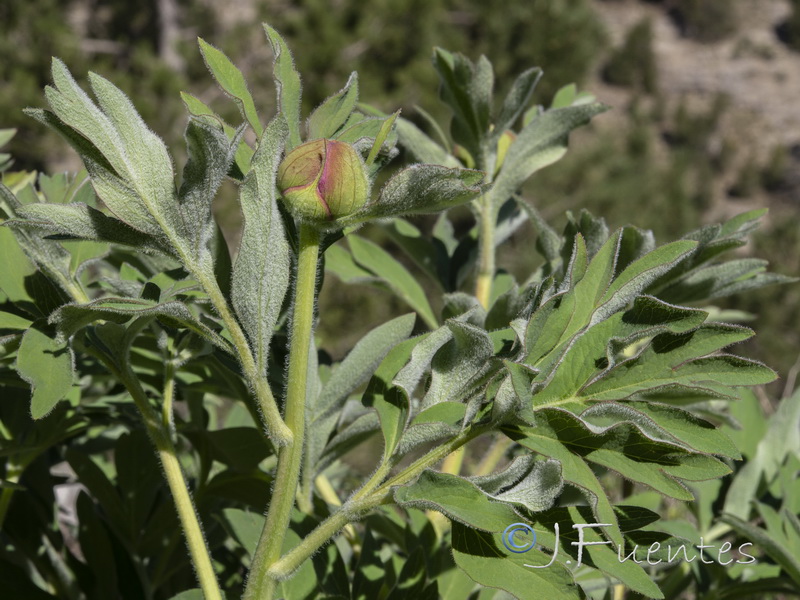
pixel 386 268
pixel 332 114
pixel 232 82
pixel 47 365
pixel 421 189
pixel 261 272
pixel 483 558
pixel 287 85
pixel 71 318
pixel 541 142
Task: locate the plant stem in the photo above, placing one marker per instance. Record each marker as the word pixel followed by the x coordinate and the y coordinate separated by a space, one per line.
pixel 13 473
pixel 493 456
pixel 362 501
pixel 271 416
pixel 260 585
pixel 486 262
pixel 187 514
pixel 167 418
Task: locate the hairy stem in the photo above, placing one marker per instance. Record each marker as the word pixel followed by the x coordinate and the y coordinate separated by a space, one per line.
pixel 167 419
pixel 486 261
pixel 159 434
pixel 280 433
pixel 362 501
pixel 260 585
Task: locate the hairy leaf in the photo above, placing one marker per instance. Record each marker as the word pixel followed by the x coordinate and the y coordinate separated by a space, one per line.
pixel 232 82
pixel 47 364
pixel 261 271
pixel 287 85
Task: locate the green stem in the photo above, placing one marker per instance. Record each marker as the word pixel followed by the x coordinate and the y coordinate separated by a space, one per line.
pixel 271 416
pixel 198 550
pixel 13 473
pixel 362 501
pixel 486 262
pixel 493 457
pixel 167 419
pixel 260 585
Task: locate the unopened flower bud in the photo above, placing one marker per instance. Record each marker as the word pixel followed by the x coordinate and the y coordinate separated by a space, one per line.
pixel 323 180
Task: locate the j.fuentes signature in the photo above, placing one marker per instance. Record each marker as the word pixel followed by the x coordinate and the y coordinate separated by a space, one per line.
pixel 520 537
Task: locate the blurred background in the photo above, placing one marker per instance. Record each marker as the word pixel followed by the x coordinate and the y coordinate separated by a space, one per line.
pixel 705 121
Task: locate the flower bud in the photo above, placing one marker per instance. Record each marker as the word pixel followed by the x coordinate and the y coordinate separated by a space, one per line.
pixel 323 180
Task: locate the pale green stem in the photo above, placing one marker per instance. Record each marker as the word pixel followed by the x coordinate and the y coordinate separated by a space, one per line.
pixel 280 433
pixel 362 501
pixel 13 473
pixel 260 585
pixel 486 260
pixel 198 550
pixel 167 419
pixel 493 456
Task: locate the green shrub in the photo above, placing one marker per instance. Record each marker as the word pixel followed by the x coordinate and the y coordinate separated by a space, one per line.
pixel 634 63
pixel 706 20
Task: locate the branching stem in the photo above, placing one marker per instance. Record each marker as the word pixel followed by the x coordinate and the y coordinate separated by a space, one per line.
pixel 159 434
pixel 261 585
pixel 372 494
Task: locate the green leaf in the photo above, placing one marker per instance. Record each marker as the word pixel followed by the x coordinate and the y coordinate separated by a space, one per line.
pixel 579 474
pixel 380 138
pixel 421 189
pixel 459 499
pixel 70 318
pixel 79 221
pixel 482 557
pixel 623 448
pixel 374 258
pixel 362 361
pixel 246 527
pixel 411 580
pixel 607 560
pixel 370 573
pixel 287 84
pixel 211 155
pixel 346 377
pixel 467 89
pixel 725 279
pixel 261 271
pixel 459 363
pixel 671 360
pixel 6 135
pixel 129 165
pixel 429 255
pixel 678 425
pixel 98 550
pixel 516 100
pixel 12 321
pixel 773 548
pixel 17 268
pixel 232 82
pixel 782 439
pixel 389 401
pixel 47 365
pixel 198 108
pixel 565 96
pixel 540 143
pixel 423 148
pixel 537 490
pixel 332 114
